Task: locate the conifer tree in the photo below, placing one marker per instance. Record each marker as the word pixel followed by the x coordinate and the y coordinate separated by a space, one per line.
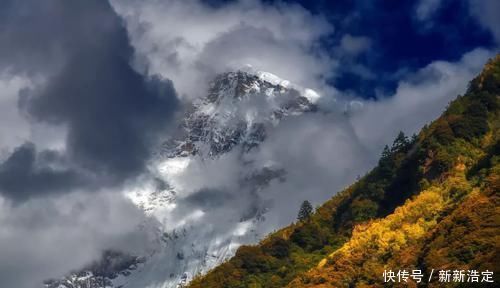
pixel 385 163
pixel 386 154
pixel 305 211
pixel 400 143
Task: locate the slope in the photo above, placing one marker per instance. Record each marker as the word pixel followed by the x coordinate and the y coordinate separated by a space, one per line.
pixel 431 203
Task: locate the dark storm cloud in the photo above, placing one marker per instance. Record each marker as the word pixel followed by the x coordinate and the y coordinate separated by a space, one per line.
pixel 110 110
pixel 19 175
pixel 35 35
pixel 113 114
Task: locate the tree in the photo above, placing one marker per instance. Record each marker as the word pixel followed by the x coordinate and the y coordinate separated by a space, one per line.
pixel 305 210
pixel 386 154
pixel 413 139
pixel 386 163
pixel 400 143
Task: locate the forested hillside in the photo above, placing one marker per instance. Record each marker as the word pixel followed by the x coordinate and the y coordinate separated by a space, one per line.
pixel 432 202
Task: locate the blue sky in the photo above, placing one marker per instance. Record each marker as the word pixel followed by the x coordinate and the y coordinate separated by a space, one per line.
pixel 404 35
pixel 399 39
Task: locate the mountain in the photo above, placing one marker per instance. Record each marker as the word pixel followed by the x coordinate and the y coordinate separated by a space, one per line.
pixel 431 203
pixel 239 108
pixel 239 112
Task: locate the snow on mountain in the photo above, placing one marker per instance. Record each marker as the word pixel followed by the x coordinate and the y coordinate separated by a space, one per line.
pixel 237 109
pixel 191 233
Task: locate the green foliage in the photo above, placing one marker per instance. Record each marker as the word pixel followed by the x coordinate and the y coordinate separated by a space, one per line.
pixel 442 133
pixel 401 143
pixel 309 237
pixel 253 260
pixel 473 124
pixel 363 209
pixel 386 163
pixel 455 108
pixel 488 99
pixel 277 247
pixel 442 161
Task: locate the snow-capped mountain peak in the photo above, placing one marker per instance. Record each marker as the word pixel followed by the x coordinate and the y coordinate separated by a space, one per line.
pixel 240 110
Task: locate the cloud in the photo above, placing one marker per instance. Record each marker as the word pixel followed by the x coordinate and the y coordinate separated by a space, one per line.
pixel 77 122
pixel 354 45
pixel 320 153
pixel 85 120
pixel 426 8
pixel 40 36
pixel 20 176
pixel 93 120
pixel 17 132
pixel 189 41
pixel 486 13
pixel 107 109
pixel 15 128
pixel 419 98
pixel 43 238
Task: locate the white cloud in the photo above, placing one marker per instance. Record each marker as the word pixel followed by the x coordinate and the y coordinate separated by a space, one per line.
pixel 419 98
pixel 188 41
pixel 17 132
pixel 323 153
pixel 425 9
pixel 16 128
pixel 47 237
pixel 320 153
pixel 354 45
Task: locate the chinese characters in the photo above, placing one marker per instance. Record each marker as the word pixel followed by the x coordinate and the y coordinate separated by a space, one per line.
pixel 443 276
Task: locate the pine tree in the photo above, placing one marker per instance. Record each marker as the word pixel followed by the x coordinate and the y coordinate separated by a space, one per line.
pixel 386 154
pixel 413 139
pixel 400 143
pixel 385 163
pixel 305 211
